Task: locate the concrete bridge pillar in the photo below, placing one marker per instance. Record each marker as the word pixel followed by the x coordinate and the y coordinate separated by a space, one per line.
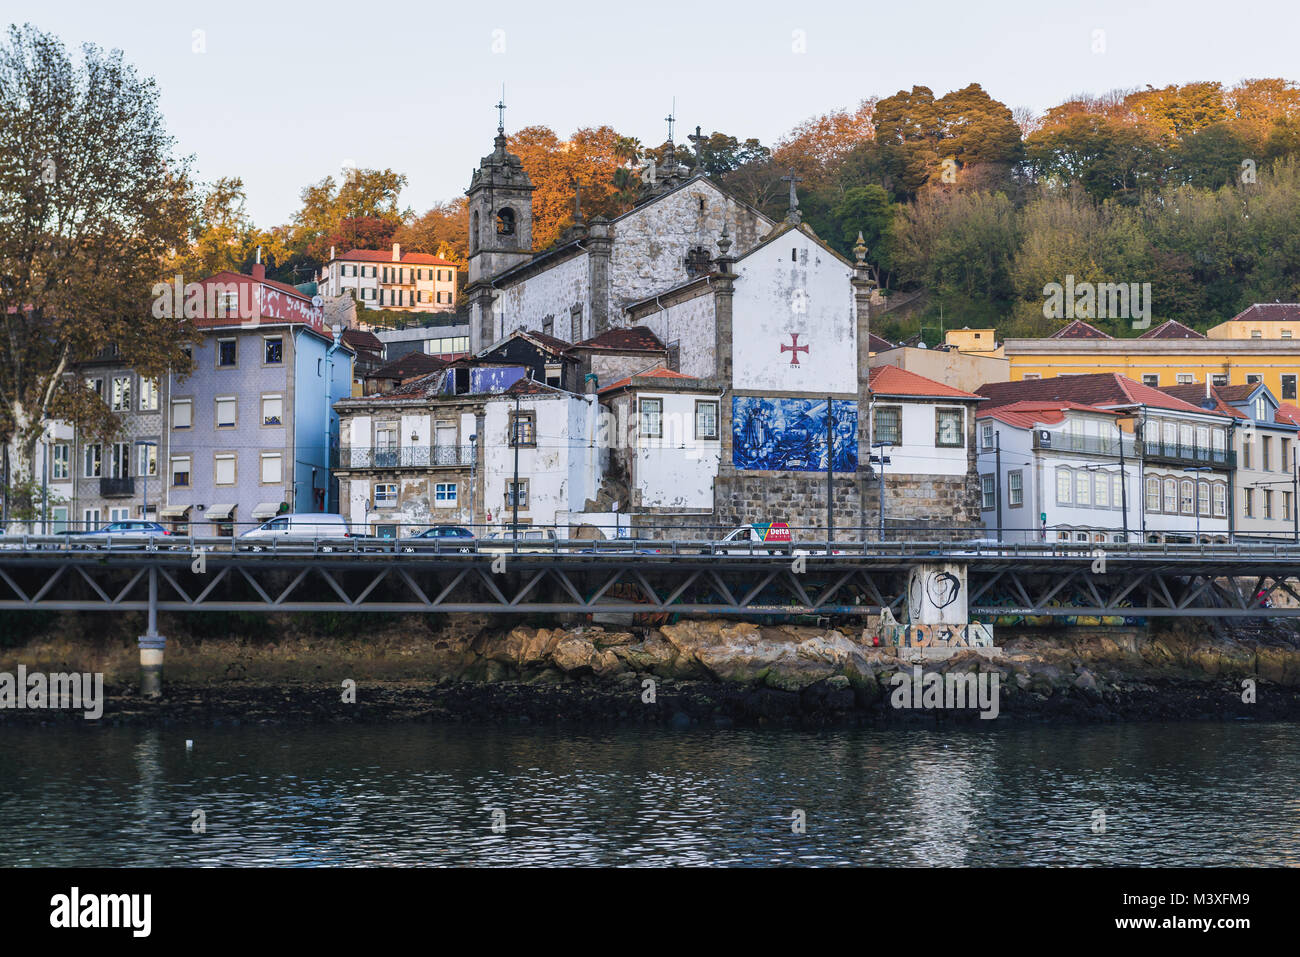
pixel 151 645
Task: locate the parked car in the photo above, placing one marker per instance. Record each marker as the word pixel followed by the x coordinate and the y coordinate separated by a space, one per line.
pixel 297 529
pixel 528 538
pixel 441 538
pixel 757 538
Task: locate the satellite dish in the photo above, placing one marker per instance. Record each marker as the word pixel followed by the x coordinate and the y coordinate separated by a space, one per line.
pixel 317 301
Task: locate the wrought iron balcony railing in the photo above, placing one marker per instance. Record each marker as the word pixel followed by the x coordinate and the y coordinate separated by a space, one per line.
pixel 1194 454
pixel 407 456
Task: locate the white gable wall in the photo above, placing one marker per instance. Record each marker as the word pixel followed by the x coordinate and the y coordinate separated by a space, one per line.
pixel 778 298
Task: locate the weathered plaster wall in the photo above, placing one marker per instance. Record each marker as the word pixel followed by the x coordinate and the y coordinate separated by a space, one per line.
pixel 691 325
pixel 552 292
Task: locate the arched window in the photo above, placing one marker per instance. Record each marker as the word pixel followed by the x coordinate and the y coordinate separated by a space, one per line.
pixel 1186 490
pixel 1153 494
pixel 506 222
pixel 1171 497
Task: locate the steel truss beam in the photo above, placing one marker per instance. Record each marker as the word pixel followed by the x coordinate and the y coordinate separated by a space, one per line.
pixel 686 585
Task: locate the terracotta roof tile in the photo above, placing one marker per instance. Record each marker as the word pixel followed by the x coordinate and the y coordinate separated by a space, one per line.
pixel 1098 388
pixel 658 372
pixel 1079 329
pixel 1173 329
pixel 410 364
pixel 1028 414
pixel 891 380
pixel 1270 312
pixel 386 256
pixel 635 339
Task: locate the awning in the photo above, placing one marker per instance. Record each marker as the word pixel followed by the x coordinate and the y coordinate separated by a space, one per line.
pixel 174 511
pixel 266 510
pixel 220 513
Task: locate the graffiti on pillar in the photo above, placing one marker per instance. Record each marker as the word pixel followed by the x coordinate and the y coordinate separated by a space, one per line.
pixel 936 594
pixel 908 635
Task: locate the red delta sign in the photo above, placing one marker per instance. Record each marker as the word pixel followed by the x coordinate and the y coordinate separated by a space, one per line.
pixel 776 532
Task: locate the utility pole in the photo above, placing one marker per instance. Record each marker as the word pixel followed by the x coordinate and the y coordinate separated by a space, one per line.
pixel 830 473
pixel 1123 484
pixel 1295 496
pixel 997 471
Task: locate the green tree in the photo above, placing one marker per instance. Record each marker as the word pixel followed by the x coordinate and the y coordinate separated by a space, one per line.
pixel 92 200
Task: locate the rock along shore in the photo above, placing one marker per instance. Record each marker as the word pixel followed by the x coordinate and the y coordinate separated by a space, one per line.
pixel 697 672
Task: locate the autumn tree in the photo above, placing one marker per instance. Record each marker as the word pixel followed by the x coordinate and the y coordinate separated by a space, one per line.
pixel 342 212
pixel 92 200
pixel 592 156
pixel 441 231
pixel 816 147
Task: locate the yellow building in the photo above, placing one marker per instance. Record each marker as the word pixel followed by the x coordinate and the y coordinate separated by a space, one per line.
pixel 1173 354
pixel 980 342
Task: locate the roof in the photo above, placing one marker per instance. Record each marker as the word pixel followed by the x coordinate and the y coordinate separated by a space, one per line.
pixel 658 372
pixel 532 387
pixel 876 344
pixel 634 339
pixel 386 256
pixel 1079 330
pixel 1270 312
pixel 1173 329
pixel 893 381
pixel 408 365
pixel 1288 413
pixel 1027 414
pixel 361 339
pixel 1194 394
pixel 1098 388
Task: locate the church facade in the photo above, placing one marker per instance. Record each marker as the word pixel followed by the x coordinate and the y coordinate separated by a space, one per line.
pixel 763 315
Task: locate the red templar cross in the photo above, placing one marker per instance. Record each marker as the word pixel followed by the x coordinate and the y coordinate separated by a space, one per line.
pixel 794 348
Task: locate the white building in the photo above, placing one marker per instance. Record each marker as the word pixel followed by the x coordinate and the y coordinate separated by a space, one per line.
pixel 377 279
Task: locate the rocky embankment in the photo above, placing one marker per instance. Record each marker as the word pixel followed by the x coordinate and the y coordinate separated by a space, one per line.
pixel 709 672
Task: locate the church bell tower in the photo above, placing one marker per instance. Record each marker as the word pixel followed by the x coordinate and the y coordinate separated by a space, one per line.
pixel 500 230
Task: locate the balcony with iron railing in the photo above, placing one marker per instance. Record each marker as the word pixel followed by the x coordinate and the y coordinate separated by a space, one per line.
pixel 404 457
pixel 116 487
pixel 1179 453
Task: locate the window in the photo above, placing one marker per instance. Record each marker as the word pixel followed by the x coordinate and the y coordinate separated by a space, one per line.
pixel 223 470
pixel 651 417
pixel 1220 500
pixel 1286 505
pixel 119 460
pixel 706 420
pixel 1171 497
pixel 1186 492
pixel 1184 378
pixel 1247 442
pixel 60 458
pixel 1153 494
pixel 506 222
pixel 889 425
pixel 1016 488
pixel 385 494
pixel 96 385
pixel 1219 378
pixel 575 324
pixel 272 470
pixel 90 519
pixel 1286 333
pixel 1151 380
pixel 986 435
pixel 180 471
pixel 949 428
pixel 1101 490
pixel 444 494
pixel 522 489
pixel 1288 387
pixel 148 395
pixel 1285 464
pixel 1116 491
pixel 58 519
pixel 272 410
pixel 987 499
pixel 273 350
pixel 1064 486
pixel 92 460
pixel 367 294
pixel 1267 447
pixel 1252 379
pixel 1261 409
pixel 1248 502
pixel 523 429
pixel 226 406
pixel 1203 498
pixel 1082 487
pixel 147 459
pixel 1268 503
pixel 1256 334
pixel 121 393
pixel 227 353
pixel 182 416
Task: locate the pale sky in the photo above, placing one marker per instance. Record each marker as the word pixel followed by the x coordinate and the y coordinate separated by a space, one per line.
pixel 285 94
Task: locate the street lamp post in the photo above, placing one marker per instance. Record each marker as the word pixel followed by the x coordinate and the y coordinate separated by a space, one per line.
pixel 144 478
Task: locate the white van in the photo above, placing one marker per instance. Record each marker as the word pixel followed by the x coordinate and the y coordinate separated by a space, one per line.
pixel 297 528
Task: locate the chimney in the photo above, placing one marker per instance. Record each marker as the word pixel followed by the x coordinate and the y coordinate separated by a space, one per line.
pixel 259 270
pixel 331 254
pixel 397 252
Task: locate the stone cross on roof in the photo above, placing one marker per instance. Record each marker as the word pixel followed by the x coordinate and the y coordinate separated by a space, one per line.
pixel 793 216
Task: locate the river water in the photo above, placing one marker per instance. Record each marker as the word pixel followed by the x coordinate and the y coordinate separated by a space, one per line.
pixel 1189 794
